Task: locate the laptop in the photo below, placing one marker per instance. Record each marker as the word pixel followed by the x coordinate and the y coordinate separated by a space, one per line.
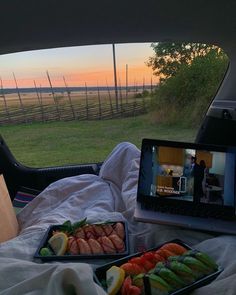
pixel 188 185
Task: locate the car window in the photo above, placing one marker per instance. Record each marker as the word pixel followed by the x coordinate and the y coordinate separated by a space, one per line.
pixel 73 105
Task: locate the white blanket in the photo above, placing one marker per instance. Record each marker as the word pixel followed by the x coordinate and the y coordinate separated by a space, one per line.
pixel 111 195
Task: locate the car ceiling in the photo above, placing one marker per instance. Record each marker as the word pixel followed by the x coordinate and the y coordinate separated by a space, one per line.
pixel 30 24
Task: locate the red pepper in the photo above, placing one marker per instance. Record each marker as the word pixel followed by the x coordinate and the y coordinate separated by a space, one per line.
pixel 150 256
pixel 132 268
pixel 128 288
pixel 143 262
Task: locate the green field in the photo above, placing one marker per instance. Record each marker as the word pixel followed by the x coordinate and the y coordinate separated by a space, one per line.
pixel 60 143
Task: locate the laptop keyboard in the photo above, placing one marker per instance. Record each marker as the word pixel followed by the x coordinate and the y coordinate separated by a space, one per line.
pixel 198 210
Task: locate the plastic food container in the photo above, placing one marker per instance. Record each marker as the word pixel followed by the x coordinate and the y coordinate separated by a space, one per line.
pixel 72 257
pixel 147 288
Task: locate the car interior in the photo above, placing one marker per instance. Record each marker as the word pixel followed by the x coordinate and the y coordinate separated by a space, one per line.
pixel 50 24
pixel 34 25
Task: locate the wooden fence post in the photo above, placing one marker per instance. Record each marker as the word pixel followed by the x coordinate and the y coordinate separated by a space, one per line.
pixel 5 103
pixel 69 97
pixel 110 100
pixel 121 98
pixel 134 103
pixel 40 101
pixel 20 100
pixel 54 98
pixel 86 97
pixel 99 101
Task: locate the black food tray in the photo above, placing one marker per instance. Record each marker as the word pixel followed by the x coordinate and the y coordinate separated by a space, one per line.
pixel 69 257
pixel 100 272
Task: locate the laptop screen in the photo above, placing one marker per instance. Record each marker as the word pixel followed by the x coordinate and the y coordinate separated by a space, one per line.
pixel 187 172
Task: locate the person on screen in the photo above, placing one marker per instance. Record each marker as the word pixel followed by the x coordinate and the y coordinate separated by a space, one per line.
pixel 170 173
pixel 197 172
pixel 205 174
pixel 187 169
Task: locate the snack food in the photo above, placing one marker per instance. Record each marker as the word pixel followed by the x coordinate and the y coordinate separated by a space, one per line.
pixel 170 268
pixel 83 239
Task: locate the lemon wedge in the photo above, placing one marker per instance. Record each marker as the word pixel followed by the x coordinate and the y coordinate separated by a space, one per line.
pixel 58 243
pixel 114 277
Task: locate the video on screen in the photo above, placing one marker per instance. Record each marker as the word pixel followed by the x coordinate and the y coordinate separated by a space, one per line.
pixel 190 175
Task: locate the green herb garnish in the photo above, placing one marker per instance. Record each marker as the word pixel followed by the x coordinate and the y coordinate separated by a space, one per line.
pixel 70 228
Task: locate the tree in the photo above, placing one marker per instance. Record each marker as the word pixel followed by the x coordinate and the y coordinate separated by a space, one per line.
pixel 169 57
pixel 185 96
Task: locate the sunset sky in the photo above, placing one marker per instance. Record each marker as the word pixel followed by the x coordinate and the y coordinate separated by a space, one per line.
pixel 90 64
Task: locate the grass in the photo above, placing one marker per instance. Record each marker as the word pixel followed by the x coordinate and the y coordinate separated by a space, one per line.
pixel 60 143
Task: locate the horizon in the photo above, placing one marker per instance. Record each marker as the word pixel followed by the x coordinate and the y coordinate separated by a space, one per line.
pixel 57 89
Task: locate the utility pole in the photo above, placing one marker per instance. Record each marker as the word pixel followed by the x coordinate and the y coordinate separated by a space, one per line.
pixel 115 75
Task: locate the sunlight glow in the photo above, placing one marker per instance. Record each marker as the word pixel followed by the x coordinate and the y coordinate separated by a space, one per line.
pixel 79 65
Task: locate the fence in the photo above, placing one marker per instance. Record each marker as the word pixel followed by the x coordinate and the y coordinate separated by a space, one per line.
pixel 41 107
